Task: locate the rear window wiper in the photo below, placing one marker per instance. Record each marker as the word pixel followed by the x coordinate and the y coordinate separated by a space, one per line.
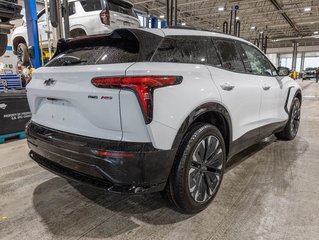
pixel 71 60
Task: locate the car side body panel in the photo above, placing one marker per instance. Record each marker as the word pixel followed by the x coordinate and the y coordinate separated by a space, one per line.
pixel 172 105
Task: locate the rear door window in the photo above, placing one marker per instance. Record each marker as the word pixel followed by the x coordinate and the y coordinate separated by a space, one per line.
pixel 91 5
pixel 121 7
pixel 182 49
pixel 229 55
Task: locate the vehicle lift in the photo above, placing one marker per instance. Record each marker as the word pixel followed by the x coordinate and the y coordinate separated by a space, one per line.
pixel 33 32
pixel 56 21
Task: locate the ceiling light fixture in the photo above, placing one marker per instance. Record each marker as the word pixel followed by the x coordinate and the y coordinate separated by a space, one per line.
pixel 252 27
pixel 316 32
pixel 162 16
pixel 237 18
pixel 221 9
pixel 307 9
pixel 183 24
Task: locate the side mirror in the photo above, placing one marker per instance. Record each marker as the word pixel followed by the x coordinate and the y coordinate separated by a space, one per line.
pixel 283 71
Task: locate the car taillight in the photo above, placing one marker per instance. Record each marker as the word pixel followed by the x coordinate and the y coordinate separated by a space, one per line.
pixel 143 87
pixel 105 17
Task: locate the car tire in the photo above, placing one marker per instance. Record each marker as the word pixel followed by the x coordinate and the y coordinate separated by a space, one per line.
pixel 291 129
pixel 23 54
pixel 198 169
pixel 4 43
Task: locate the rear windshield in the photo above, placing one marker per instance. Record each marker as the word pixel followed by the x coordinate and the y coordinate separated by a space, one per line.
pixel 120 47
pixel 121 7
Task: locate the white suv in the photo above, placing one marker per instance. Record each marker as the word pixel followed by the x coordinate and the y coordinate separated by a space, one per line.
pixel 157 110
pixel 86 18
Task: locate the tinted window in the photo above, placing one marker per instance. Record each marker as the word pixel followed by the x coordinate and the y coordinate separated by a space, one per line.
pixel 229 55
pixel 120 47
pixel 213 58
pixel 91 5
pixel 121 7
pixel 257 63
pixel 71 8
pixel 182 49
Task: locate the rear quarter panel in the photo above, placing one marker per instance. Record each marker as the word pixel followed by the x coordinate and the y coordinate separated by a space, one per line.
pixel 173 104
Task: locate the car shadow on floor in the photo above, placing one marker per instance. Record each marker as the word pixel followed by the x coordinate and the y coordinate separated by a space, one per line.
pixel 71 208
pixel 249 152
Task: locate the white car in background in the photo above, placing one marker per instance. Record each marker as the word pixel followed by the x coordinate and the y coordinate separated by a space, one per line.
pixel 86 18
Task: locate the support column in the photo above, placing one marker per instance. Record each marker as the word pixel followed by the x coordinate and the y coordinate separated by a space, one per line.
pixel 168 13
pixel 302 64
pixel 278 61
pixel 294 56
pixel 33 32
pixel 66 15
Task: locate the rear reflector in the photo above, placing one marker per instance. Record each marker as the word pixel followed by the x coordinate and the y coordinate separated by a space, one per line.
pixel 114 154
pixel 143 86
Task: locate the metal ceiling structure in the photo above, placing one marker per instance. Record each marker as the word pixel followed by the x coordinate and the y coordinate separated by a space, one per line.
pixel 278 19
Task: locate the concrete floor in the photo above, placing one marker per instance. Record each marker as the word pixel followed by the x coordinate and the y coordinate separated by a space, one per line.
pixel 270 191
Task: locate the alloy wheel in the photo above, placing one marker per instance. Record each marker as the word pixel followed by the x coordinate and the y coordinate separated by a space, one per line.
pixel 205 173
pixel 295 118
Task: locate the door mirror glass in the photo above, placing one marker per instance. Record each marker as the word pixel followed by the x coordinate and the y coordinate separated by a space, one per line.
pixel 283 71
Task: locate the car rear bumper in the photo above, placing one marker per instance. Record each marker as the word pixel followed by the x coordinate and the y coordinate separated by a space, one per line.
pixel 115 166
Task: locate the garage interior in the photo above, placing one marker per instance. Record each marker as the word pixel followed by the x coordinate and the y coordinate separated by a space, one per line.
pixel 269 191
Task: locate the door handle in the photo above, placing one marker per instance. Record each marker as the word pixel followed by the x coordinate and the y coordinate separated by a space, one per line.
pixel 266 87
pixel 227 87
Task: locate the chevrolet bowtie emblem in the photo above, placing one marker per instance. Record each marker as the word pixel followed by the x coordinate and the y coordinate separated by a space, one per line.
pixel 49 82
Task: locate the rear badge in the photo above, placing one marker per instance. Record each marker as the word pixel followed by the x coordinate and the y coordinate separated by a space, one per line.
pixel 106 98
pixel 102 98
pixel 93 97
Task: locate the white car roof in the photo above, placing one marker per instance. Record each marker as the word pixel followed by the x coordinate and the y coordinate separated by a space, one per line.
pixel 190 32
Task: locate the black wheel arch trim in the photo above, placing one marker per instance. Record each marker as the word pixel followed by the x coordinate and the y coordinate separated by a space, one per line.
pixel 199 111
pixel 288 96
